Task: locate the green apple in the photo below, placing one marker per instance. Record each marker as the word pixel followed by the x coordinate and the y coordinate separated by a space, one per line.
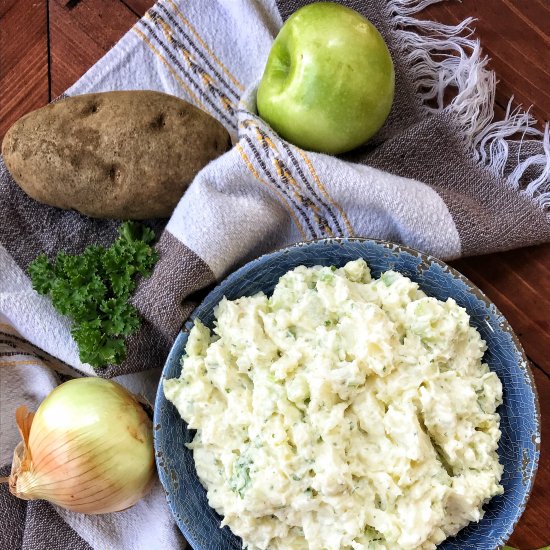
pixel 328 83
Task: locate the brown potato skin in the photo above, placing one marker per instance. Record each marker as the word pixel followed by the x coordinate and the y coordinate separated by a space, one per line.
pixel 124 155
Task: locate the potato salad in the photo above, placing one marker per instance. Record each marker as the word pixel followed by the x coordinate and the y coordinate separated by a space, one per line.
pixel 342 412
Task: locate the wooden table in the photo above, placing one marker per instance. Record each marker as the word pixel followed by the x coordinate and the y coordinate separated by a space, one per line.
pixel 45 45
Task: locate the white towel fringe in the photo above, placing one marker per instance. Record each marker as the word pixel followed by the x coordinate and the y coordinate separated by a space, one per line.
pixel 446 56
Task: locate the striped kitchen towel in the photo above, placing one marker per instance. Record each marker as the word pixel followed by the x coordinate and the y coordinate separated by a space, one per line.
pixel 443 178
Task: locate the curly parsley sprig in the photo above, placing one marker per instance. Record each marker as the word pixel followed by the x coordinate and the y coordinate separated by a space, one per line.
pixel 93 289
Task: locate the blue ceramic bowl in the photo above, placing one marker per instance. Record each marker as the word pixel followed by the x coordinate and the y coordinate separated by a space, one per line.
pixel 520 419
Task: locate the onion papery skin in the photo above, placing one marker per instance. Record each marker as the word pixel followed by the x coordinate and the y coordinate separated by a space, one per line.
pixel 88 448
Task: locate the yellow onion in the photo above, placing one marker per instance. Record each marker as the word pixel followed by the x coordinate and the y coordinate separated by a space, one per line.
pixel 88 448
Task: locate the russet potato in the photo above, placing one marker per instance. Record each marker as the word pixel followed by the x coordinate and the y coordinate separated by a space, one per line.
pixel 129 154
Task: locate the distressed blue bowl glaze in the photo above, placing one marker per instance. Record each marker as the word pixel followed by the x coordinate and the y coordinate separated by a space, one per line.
pixel 520 418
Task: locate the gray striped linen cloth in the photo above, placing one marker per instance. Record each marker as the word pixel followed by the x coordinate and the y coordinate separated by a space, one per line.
pixel 445 179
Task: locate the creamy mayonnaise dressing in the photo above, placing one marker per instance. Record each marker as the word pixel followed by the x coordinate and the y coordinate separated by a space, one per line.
pixel 341 413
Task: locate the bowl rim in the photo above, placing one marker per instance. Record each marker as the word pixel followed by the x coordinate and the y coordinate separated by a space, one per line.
pixel 424 256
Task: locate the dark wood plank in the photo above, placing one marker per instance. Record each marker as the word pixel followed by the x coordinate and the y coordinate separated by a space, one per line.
pixel 23 59
pixel 518 282
pixel 80 34
pixel 139 7
pixel 533 529
pixel 515 35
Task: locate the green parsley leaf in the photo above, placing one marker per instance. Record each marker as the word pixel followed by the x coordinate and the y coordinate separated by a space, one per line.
pixel 42 274
pixel 94 288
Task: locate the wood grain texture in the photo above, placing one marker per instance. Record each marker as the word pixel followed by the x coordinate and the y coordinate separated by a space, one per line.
pixel 518 282
pixel 80 34
pixel 514 33
pixel 139 7
pixel 23 59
